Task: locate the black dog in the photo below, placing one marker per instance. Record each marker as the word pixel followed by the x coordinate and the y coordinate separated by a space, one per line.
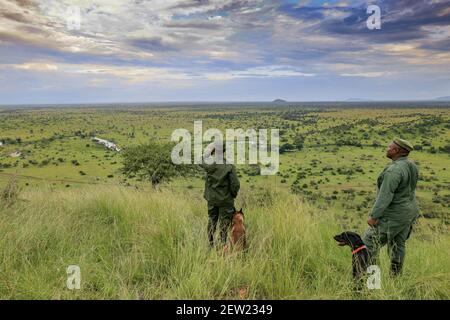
pixel 360 254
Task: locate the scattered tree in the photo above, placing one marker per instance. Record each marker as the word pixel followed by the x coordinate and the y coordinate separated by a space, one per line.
pixel 152 161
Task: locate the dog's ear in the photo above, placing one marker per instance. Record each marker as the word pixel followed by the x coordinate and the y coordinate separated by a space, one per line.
pixel 240 211
pixel 354 239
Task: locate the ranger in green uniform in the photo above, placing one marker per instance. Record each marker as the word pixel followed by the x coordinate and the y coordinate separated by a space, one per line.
pixel 221 188
pixel 395 209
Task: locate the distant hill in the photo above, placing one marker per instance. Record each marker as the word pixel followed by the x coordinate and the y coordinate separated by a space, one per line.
pixel 279 101
pixel 447 98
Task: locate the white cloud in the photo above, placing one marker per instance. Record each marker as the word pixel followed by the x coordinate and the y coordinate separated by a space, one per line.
pixel 36 66
pixel 218 36
pixel 102 74
pixel 259 72
pixel 367 74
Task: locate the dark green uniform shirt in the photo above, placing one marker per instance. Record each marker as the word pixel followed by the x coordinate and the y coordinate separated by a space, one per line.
pixel 221 184
pixel 396 200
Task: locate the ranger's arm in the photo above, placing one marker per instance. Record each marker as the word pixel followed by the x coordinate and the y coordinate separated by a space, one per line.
pixel 234 182
pixel 390 183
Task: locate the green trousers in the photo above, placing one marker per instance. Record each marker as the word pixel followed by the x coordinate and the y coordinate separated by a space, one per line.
pixel 392 233
pixel 222 216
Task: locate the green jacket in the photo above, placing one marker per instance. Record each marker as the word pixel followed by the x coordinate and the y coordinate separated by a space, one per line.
pixel 221 184
pixel 396 200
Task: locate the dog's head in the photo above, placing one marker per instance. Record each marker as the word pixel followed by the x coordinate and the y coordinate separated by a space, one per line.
pixel 349 238
pixel 238 216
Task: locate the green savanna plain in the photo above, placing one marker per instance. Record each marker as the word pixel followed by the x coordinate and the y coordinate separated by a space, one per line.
pixel 132 241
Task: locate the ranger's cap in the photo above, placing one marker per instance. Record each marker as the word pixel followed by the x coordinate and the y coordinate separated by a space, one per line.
pixel 404 144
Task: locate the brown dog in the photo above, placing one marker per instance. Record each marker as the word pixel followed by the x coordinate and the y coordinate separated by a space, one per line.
pixel 238 240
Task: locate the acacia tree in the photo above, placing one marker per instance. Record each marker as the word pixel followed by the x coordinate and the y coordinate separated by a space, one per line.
pixel 152 161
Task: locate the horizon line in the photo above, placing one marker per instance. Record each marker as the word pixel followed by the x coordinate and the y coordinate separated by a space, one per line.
pixel 224 101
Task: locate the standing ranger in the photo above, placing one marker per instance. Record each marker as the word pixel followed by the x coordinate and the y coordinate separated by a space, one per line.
pixel 395 209
pixel 221 188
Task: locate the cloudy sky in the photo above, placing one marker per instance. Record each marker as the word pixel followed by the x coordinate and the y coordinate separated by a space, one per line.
pixel 222 50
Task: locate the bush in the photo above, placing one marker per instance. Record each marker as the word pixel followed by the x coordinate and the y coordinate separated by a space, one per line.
pixel 445 148
pixel 253 170
pixel 287 147
pixel 376 143
pixel 10 193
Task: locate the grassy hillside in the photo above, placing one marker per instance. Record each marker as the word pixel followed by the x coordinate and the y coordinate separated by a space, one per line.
pixel 152 244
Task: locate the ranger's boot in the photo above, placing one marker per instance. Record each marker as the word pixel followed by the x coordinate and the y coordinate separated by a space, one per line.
pixel 396 268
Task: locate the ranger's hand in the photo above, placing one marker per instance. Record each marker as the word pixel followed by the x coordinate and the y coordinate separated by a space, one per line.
pixel 372 222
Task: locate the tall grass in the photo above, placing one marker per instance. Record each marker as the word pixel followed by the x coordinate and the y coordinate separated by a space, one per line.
pixel 152 245
pixel 9 194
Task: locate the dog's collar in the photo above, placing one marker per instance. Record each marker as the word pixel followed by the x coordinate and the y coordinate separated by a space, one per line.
pixel 359 249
